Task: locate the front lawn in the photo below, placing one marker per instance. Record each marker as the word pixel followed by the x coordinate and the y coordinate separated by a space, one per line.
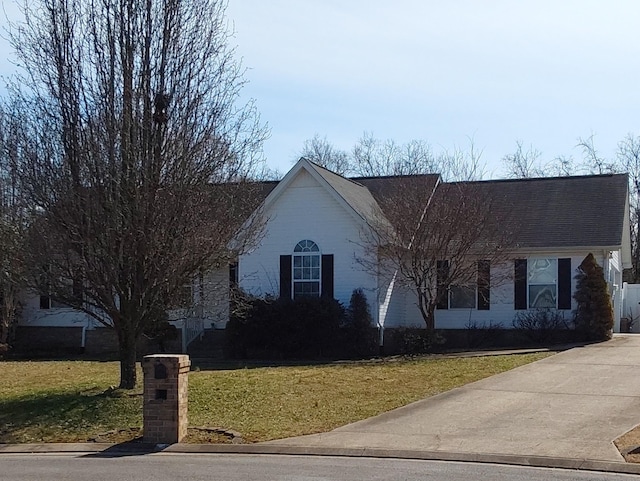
pixel 70 401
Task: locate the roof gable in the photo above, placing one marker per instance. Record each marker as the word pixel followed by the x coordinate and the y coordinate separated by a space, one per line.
pixel 354 197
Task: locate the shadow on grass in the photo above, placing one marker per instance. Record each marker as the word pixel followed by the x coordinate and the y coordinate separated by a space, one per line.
pixel 204 364
pixel 65 417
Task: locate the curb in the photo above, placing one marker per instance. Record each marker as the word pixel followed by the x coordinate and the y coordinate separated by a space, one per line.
pixel 118 450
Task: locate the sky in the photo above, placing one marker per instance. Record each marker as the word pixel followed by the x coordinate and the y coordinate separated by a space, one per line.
pixel 451 73
pixel 491 72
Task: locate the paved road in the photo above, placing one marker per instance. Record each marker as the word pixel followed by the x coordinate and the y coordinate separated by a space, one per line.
pixel 210 467
pixel 570 405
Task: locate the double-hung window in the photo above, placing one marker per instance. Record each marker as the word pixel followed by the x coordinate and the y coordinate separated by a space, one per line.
pixel 462 296
pixel 542 283
pixel 542 279
pixel 467 295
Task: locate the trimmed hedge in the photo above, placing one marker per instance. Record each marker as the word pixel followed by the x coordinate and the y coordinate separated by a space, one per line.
pixel 306 327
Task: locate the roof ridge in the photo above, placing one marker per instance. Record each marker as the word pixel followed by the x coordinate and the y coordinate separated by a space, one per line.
pixel 536 179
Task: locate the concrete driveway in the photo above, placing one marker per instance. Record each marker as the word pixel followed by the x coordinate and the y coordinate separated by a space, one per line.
pixel 570 405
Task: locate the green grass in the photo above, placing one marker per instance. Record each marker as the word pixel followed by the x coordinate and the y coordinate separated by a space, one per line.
pixel 64 401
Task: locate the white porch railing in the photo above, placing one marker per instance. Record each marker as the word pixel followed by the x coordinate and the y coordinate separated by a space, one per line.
pixel 192 328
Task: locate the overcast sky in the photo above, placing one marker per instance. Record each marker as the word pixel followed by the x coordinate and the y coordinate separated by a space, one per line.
pixel 544 72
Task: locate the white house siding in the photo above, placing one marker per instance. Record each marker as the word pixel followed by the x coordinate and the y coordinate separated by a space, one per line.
pixel 307 210
pixel 501 309
pixel 211 303
pixel 33 316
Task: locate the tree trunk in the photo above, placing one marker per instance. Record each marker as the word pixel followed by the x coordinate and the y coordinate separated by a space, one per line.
pixel 127 360
pixel 8 316
pixel 428 311
pixel 431 317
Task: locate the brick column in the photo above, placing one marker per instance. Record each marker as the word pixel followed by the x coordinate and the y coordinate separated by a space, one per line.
pixel 166 382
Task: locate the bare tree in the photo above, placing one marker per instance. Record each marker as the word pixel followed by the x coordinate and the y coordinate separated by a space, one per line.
pixel 320 151
pixel 593 163
pixel 523 163
pixel 12 238
pixel 371 157
pixel 628 156
pixel 561 166
pixel 437 236
pixel 135 154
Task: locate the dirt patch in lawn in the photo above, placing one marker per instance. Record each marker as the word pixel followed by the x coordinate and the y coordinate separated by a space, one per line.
pixel 629 445
pixel 195 435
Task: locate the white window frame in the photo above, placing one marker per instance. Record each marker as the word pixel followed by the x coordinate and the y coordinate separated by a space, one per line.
pixel 531 262
pixel 306 274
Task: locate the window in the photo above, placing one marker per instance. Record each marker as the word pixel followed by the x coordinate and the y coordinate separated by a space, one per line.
pixel 306 273
pixel 47 302
pixel 464 296
pixel 542 277
pixel 542 283
pixel 72 291
pixel 306 269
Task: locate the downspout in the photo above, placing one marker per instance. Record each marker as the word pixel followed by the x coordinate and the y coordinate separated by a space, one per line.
pixel 83 340
pixel 387 298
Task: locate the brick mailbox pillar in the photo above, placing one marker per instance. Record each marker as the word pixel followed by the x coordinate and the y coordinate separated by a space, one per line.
pixel 166 380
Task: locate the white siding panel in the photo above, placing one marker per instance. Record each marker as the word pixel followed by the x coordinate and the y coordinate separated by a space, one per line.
pixel 306 210
pixel 32 315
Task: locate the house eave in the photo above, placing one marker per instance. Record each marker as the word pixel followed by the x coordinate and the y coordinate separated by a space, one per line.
pixel 536 250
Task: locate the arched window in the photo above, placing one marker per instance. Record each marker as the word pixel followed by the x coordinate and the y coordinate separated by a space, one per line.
pixel 306 269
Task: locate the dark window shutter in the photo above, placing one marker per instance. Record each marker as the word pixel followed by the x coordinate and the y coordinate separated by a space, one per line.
pixel 564 283
pixel 442 273
pixel 520 284
pixel 327 276
pixel 233 275
pixel 45 302
pixel 285 277
pixel 484 285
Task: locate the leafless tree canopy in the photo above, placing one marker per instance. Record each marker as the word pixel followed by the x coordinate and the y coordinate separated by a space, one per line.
pixel 134 154
pixel 320 151
pixel 372 157
pixel 526 163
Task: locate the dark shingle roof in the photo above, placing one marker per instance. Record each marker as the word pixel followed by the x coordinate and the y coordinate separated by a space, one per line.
pixel 555 212
pixel 382 187
pixel 580 211
pixel 358 196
